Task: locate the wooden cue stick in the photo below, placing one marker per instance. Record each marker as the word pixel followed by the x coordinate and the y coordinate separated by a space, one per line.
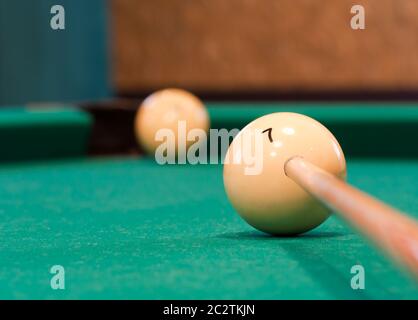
pixel 389 229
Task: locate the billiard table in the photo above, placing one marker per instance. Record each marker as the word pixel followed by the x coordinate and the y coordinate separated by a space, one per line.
pixel 124 227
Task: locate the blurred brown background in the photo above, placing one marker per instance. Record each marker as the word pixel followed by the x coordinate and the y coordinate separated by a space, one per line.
pixel 225 46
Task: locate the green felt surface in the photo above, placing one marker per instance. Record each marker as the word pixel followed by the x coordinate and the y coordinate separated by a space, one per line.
pixel 128 228
pixel 29 133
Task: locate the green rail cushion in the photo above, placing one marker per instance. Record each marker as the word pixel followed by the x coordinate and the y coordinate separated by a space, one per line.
pixel 363 130
pixel 32 133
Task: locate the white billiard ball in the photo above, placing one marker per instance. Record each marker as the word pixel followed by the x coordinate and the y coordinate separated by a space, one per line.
pixel 270 201
pixel 166 109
